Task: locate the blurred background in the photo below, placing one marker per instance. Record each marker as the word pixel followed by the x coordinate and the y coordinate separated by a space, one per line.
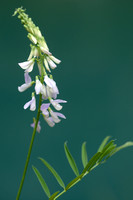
pixel 94 40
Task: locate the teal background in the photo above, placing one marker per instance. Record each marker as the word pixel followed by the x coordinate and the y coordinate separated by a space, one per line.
pixel 94 40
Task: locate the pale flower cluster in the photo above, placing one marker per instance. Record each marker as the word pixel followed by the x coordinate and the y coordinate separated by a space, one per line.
pixel 44 84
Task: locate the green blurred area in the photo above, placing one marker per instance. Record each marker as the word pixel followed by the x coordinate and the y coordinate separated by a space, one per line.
pixel 94 40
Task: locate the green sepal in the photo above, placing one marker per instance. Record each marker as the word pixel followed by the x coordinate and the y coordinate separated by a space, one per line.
pixel 84 154
pixel 104 142
pixel 42 182
pixel 52 170
pixel 54 195
pixel 71 160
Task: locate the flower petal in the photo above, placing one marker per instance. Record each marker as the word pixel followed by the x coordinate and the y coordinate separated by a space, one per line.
pixel 33 104
pixel 57 61
pixel 27 78
pixel 43 91
pixel 30 68
pixel 27 104
pixel 45 106
pixel 51 63
pixel 46 65
pixel 54 117
pixel 56 105
pixel 49 120
pixel 38 87
pixel 26 64
pixel 60 115
pixel 50 82
pixel 24 87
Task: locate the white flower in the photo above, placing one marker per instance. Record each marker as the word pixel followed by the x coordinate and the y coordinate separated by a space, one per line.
pixel 48 61
pixel 52 89
pixel 54 116
pixel 56 60
pixel 28 83
pixel 27 65
pixel 38 86
pixel 46 51
pixel 31 103
pixel 51 63
pixel 49 120
pixel 44 92
pixel 56 104
pixel 44 108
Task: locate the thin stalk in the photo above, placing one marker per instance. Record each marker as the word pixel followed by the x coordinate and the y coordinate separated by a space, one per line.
pixel 30 149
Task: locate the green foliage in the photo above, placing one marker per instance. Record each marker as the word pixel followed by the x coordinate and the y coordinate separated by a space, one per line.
pixel 84 155
pixel 105 151
pixel 104 142
pixel 56 175
pixel 54 195
pixel 42 182
pixel 92 162
pixel 71 160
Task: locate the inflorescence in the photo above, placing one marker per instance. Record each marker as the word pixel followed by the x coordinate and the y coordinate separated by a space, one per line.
pixel 44 83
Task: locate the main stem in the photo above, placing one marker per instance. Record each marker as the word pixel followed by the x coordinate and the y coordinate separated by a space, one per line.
pixel 30 149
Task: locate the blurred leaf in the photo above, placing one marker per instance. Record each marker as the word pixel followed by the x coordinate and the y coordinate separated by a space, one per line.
pixel 92 162
pixel 54 195
pixel 108 153
pixel 51 169
pixel 127 144
pixel 84 155
pixel 73 182
pixel 42 182
pixel 71 160
pixel 104 142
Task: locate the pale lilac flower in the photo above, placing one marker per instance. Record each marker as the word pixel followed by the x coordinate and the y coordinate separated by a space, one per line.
pixel 28 83
pixel 31 103
pixel 60 115
pixel 27 65
pixel 56 104
pixel 44 108
pixel 38 86
pixel 38 126
pixel 52 89
pixel 49 120
pixel 54 116
pixel 44 92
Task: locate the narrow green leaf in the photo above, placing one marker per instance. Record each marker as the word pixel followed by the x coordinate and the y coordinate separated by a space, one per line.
pixel 92 162
pixel 84 155
pixel 127 144
pixel 54 195
pixel 73 182
pixel 108 152
pixel 42 182
pixel 104 142
pixel 71 160
pixel 56 175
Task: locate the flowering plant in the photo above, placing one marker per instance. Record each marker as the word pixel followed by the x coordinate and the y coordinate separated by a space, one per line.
pixel 49 106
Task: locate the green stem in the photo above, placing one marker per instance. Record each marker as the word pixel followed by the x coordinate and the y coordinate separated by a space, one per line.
pixel 30 149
